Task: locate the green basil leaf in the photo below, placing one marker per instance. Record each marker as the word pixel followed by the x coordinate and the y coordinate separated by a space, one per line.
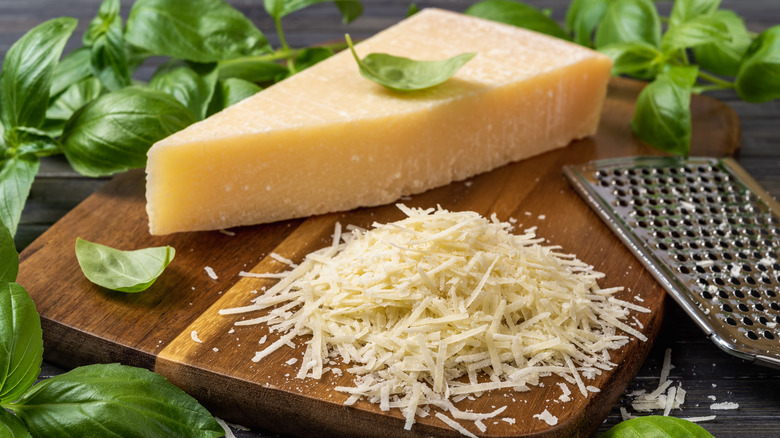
pixel 637 59
pixel 16 177
pixel 627 21
pixel 113 132
pixel 656 426
pixel 311 56
pixel 695 32
pixel 231 91
pixel 108 57
pixel 277 9
pixel 662 116
pixel 113 401
pixel 74 97
pixel 582 17
pixel 36 142
pixel 194 30
pixel 758 79
pixel 685 10
pixel 191 88
pixel 9 258
pixel 404 74
pixel 12 427
pixel 122 271
pixel 723 56
pixel 517 14
pixel 21 342
pixel 74 67
pixel 252 70
pixel 27 73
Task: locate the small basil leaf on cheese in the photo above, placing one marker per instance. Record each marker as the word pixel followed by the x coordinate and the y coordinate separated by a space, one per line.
pixel 113 132
pixel 657 426
pixel 21 342
pixel 113 400
pixel 517 14
pixel 195 30
pixel 403 74
pixel 122 271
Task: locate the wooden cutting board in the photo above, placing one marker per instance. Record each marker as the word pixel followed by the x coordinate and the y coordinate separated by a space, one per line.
pixel 84 324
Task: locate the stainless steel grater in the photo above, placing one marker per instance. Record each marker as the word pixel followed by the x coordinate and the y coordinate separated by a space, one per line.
pixel 707 232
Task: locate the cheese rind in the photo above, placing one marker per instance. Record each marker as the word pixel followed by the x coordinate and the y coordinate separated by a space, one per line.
pixel 328 140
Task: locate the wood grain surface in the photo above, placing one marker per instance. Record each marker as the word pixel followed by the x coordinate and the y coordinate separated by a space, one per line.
pixel 84 323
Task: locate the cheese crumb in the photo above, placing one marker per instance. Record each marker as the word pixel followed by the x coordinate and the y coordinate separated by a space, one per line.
pixel 194 336
pixel 724 406
pixel 211 272
pixel 547 417
pixel 443 305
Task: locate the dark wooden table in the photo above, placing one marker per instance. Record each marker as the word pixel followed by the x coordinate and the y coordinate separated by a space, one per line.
pixel 699 366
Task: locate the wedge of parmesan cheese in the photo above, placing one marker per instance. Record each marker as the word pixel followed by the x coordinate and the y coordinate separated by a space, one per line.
pixel 327 139
pixel 444 305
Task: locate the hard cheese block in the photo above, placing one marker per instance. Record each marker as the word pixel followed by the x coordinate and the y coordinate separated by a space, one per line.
pixel 328 140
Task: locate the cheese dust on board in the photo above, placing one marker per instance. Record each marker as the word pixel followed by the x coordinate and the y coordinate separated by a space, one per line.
pixel 442 306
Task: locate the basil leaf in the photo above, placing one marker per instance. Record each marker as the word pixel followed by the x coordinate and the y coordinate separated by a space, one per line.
pixel 12 427
pixel 694 32
pixel 662 116
pixel 277 9
pixel 628 21
pixel 404 74
pixel 231 91
pixel 517 14
pixel 27 73
pixel 194 30
pixel 36 142
pixel 108 57
pixel 637 59
pixel 16 177
pixel 191 88
pixel 113 132
pixel 21 342
pixel 74 97
pixel 656 426
pixel 9 258
pixel 251 69
pixel 723 56
pixel 74 67
pixel 582 17
pixel 311 56
pixel 758 79
pixel 685 10
pixel 122 271
pixel 113 401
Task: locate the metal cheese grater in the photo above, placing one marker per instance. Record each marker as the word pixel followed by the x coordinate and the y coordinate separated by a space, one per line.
pixel 707 232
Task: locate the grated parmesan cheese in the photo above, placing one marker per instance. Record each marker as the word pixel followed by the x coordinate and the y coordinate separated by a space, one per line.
pixel 194 336
pixel 210 272
pixel 443 305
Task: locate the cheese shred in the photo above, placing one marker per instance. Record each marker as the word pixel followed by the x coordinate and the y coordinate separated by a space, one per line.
pixel 444 304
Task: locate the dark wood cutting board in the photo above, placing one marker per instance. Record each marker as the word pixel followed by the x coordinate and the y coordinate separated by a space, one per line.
pixel 83 323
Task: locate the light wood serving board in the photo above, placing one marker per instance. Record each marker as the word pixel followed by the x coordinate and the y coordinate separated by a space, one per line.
pixel 83 323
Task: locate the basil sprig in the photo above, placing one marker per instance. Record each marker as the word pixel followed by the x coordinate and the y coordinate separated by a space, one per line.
pixel 403 74
pixel 122 271
pixel 725 55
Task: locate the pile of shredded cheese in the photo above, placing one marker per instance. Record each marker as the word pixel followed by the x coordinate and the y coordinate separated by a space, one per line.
pixel 441 306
